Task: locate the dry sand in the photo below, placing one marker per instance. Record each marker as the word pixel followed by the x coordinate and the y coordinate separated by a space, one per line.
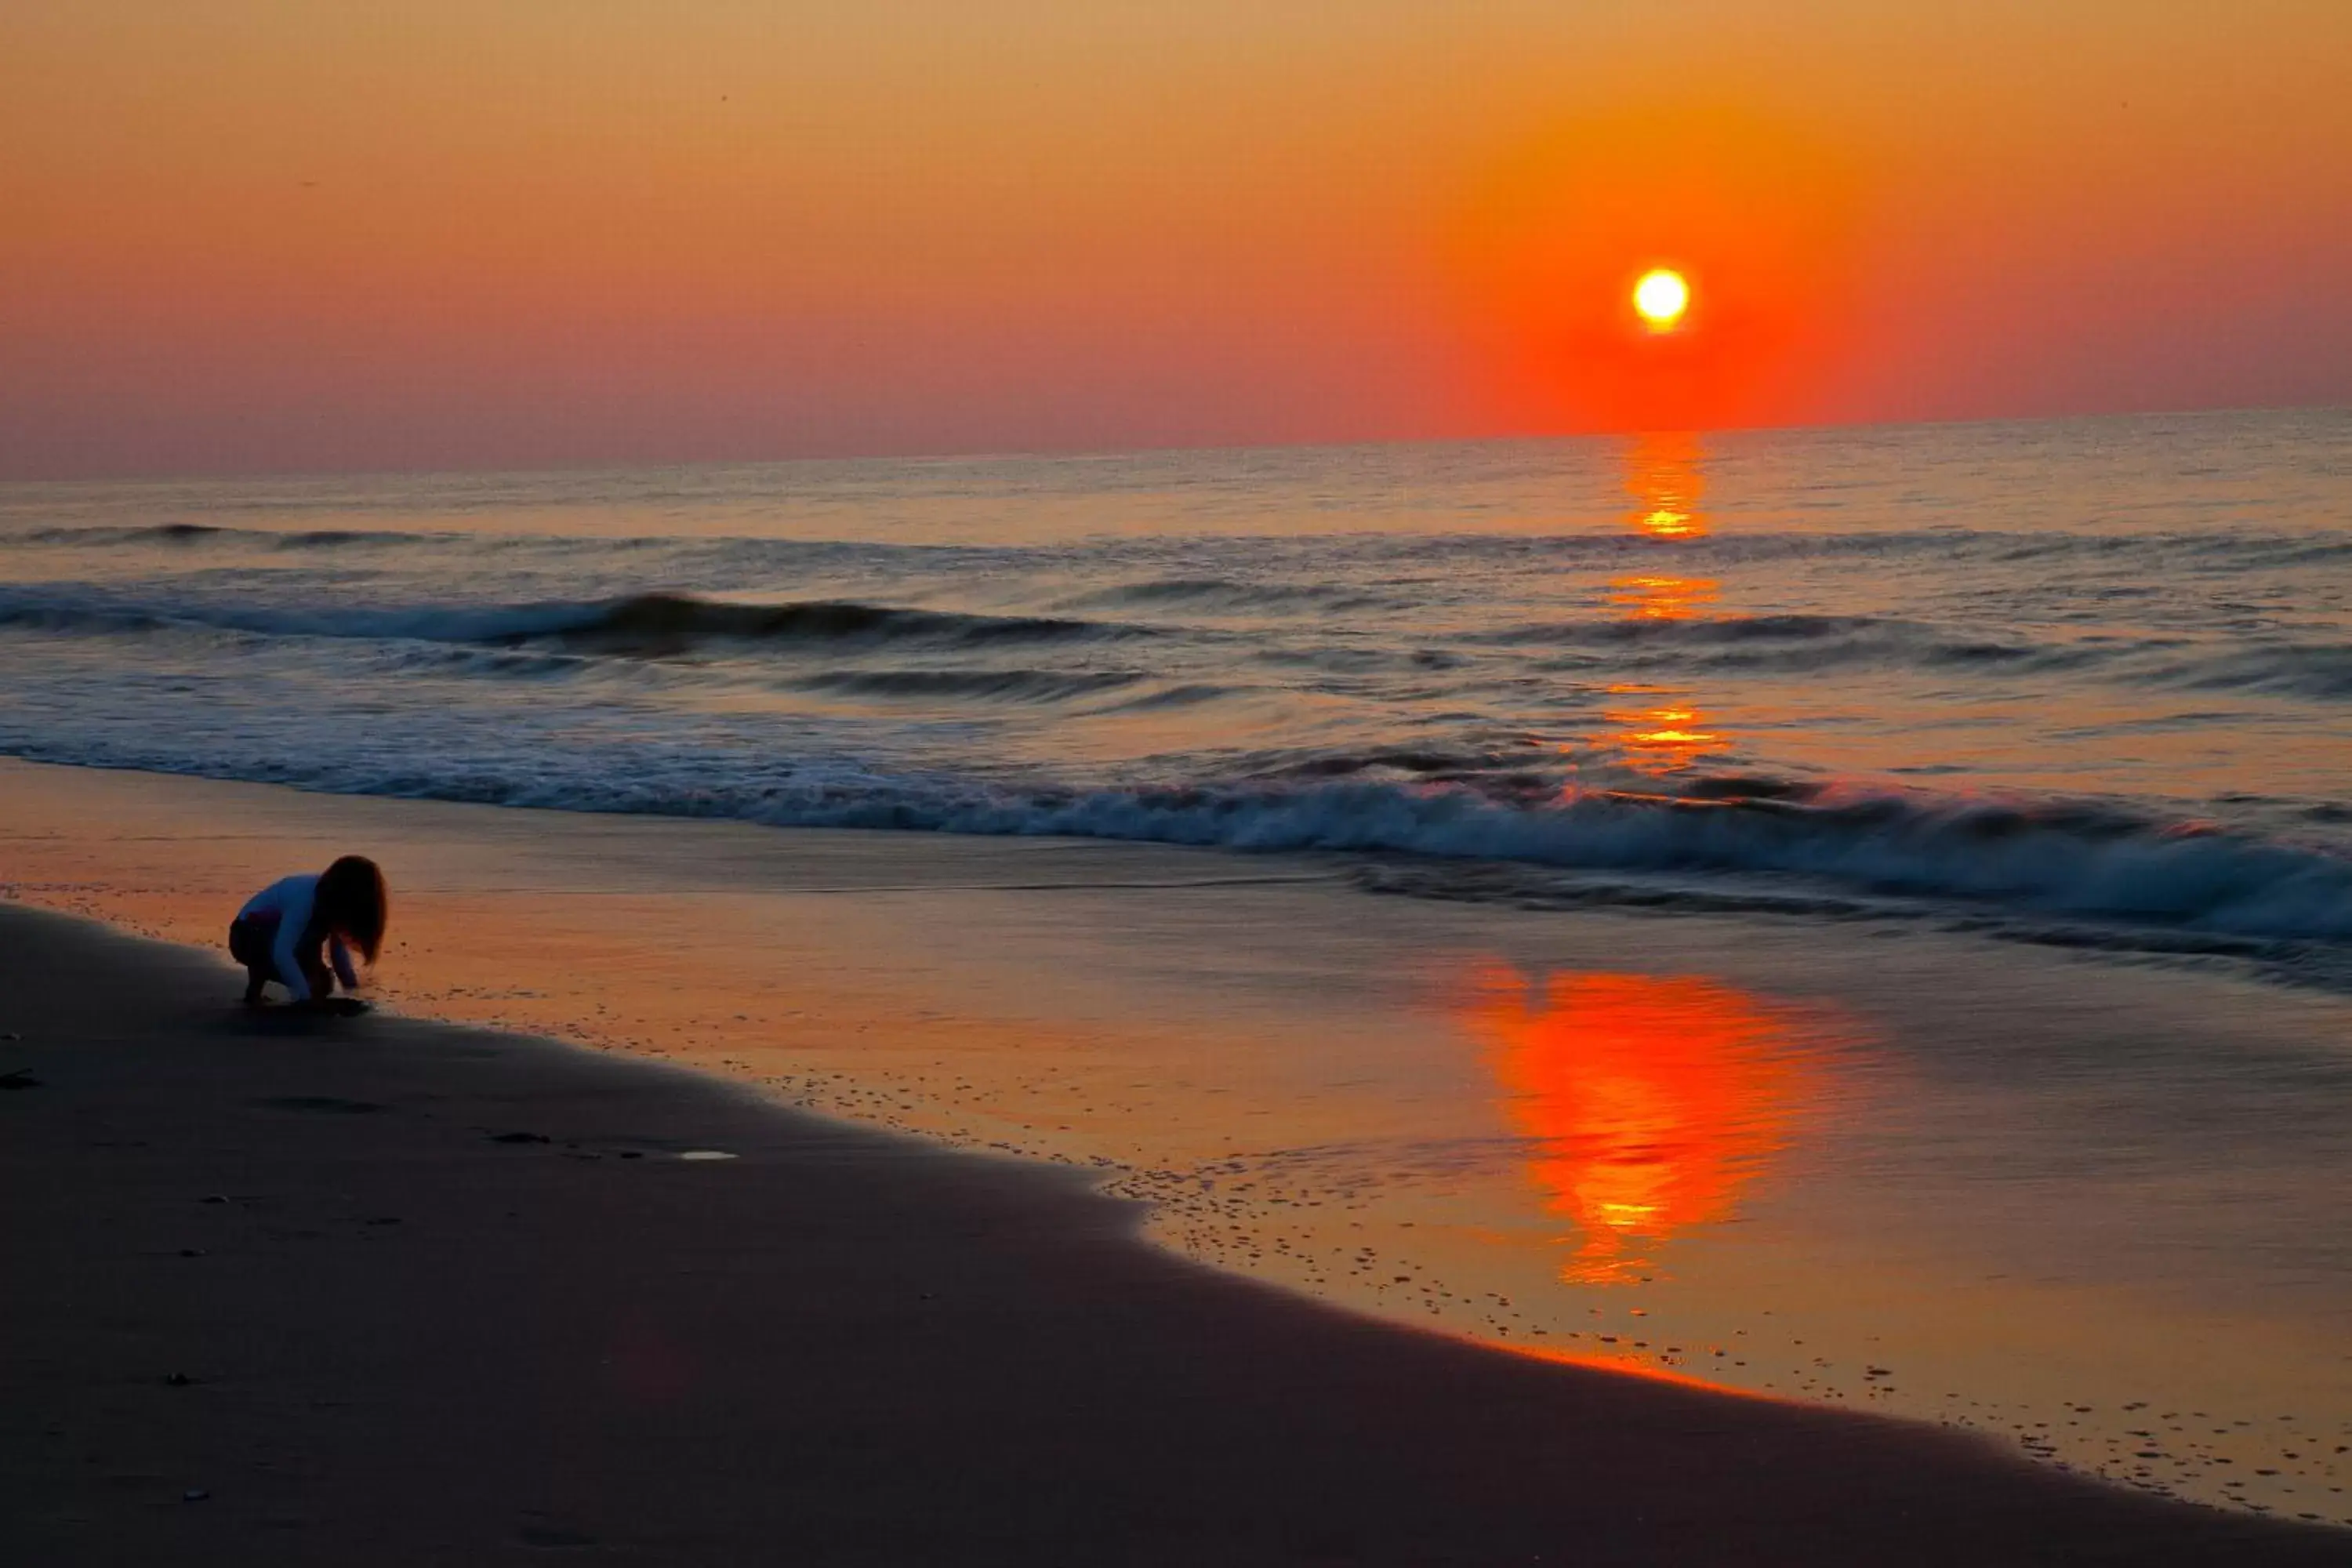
pixel 288 1291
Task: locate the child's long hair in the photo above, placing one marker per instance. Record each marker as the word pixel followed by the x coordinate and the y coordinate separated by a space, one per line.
pixel 351 900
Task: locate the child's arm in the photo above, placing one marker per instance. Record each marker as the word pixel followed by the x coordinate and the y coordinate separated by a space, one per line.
pixel 322 983
pixel 341 957
pixel 286 952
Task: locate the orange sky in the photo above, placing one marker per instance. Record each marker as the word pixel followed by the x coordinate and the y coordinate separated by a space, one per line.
pixel 238 235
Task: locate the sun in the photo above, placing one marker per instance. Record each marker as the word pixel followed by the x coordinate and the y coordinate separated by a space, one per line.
pixel 1661 298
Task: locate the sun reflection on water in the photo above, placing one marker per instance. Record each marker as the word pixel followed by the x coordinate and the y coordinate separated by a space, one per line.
pixel 1648 1104
pixel 1665 476
pixel 1666 480
pixel 1653 597
pixel 1662 737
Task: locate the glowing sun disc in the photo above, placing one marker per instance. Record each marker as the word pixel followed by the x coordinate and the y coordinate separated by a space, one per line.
pixel 1662 297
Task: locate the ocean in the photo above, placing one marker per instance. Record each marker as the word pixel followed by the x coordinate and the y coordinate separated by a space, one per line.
pixel 2081 682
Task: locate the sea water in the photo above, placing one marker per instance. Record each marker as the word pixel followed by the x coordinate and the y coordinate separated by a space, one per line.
pixel 2090 680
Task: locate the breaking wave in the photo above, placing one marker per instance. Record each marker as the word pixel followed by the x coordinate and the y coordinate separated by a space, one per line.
pixel 644 625
pixel 662 622
pixel 1802 847
pixel 2080 861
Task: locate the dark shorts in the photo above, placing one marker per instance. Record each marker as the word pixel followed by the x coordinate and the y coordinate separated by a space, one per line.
pixel 249 940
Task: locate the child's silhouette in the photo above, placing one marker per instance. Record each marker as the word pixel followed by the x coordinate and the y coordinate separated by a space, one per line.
pixel 299 931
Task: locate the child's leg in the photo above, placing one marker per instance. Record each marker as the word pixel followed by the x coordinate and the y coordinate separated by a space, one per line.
pixel 249 945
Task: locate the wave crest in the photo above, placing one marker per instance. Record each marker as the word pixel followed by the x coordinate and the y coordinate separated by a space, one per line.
pixel 670 623
pixel 639 625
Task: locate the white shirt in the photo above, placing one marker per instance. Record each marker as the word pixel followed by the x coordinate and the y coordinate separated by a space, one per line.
pixel 289 902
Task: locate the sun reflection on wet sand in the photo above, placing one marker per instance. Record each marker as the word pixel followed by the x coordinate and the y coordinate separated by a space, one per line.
pixel 1649 1104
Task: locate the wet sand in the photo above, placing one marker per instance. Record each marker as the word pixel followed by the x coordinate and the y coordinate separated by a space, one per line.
pixel 2092 1211
pixel 376 1290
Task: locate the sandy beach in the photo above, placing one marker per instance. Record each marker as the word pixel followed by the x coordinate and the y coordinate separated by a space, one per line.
pixel 1862 1177
pixel 384 1291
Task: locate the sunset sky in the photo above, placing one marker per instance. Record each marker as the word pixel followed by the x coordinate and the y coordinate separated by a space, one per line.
pixel 242 236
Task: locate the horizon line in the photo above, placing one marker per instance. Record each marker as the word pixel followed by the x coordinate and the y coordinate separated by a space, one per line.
pixel 1084 454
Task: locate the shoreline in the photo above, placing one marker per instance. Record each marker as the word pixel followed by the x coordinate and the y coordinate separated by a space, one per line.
pixel 443 1314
